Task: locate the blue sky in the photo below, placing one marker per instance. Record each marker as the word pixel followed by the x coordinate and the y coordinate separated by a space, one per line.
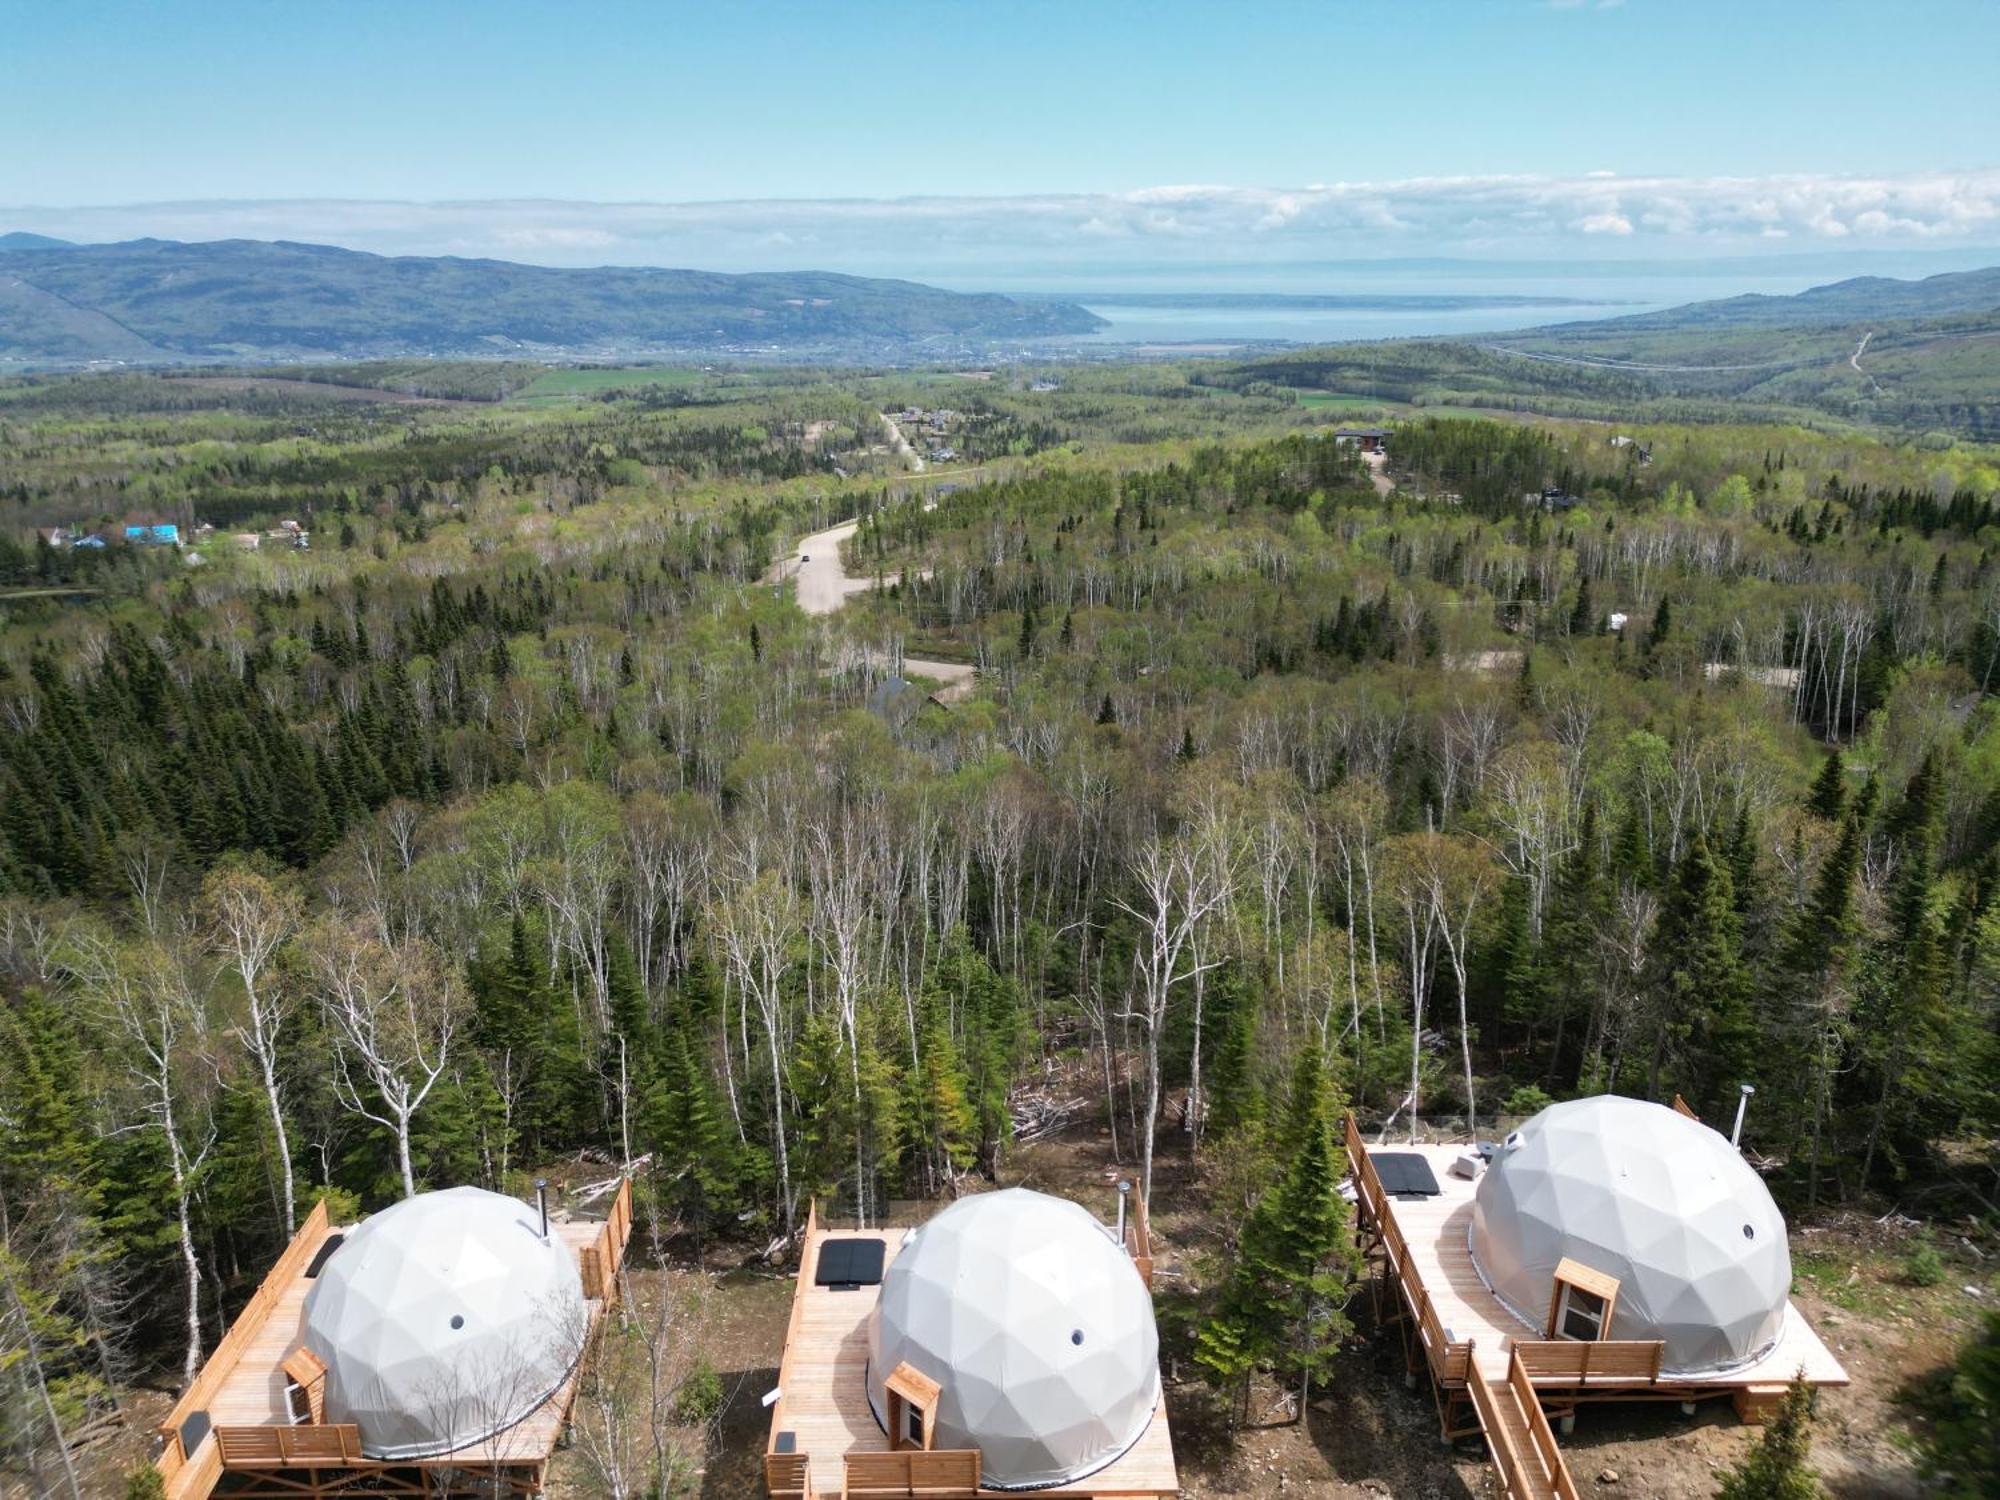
pixel 1741 125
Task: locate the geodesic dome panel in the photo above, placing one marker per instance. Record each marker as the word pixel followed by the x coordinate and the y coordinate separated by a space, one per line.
pixel 1643 1193
pixel 444 1321
pixel 1038 1329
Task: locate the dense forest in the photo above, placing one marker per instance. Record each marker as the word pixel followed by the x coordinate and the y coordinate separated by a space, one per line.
pixel 518 818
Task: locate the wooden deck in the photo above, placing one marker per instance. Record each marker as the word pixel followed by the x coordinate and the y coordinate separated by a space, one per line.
pixel 242 1386
pixel 1485 1361
pixel 1437 1231
pixel 824 1400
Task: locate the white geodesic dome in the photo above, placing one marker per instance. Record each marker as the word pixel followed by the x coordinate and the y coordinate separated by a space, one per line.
pixel 444 1321
pixel 1660 1201
pixel 1037 1328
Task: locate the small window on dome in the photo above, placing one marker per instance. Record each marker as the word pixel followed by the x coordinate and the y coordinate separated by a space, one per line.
pixel 1076 1335
pixel 1749 1232
pixel 1582 1305
pixel 457 1321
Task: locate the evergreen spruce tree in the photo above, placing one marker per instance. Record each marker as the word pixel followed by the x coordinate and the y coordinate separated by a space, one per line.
pixel 1962 1449
pixel 1703 1043
pixel 1911 1038
pixel 1663 624
pixel 1579 914
pixel 938 1128
pixel 1828 798
pixel 1805 1025
pixel 1231 1096
pixel 1283 1304
pixel 1778 1468
pixel 699 1165
pixel 1583 618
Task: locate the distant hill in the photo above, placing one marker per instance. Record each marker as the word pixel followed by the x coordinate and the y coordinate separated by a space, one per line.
pixel 21 240
pixel 160 300
pixel 1913 355
pixel 1859 299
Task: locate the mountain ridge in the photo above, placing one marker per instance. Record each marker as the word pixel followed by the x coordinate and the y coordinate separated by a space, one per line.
pixel 236 300
pixel 1918 355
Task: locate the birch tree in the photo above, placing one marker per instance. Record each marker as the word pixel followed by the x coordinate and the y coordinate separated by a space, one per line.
pixel 1180 882
pixel 394 1014
pixel 150 1004
pixel 250 917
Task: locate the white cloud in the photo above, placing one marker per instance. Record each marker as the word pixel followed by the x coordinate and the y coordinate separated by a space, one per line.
pixel 1510 214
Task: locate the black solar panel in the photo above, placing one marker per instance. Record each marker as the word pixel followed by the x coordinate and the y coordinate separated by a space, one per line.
pixel 1404 1174
pixel 193 1430
pixel 849 1263
pixel 331 1244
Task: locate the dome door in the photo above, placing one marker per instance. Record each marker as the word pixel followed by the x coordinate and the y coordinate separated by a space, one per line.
pixel 912 1408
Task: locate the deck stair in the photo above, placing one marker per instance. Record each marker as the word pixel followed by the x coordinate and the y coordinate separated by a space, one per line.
pixel 1519 1438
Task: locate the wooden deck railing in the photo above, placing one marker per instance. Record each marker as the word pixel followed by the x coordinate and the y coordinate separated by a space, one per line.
pixel 1573 1364
pixel 182 1471
pixel 1139 1237
pixel 1367 1184
pixel 779 1409
pixel 787 1476
pixel 1546 1456
pixel 911 1474
pixel 189 1478
pixel 1450 1359
pixel 1508 1460
pixel 1519 1437
pixel 598 1262
pixel 278 1447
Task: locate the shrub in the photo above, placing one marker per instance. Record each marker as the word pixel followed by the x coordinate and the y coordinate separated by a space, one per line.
pixel 699 1398
pixel 1962 1450
pixel 145 1483
pixel 1526 1100
pixel 342 1206
pixel 1923 1266
pixel 1777 1468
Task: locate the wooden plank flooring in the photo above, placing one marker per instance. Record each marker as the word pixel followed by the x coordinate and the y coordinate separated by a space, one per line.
pixel 253 1391
pixel 1437 1230
pixel 825 1401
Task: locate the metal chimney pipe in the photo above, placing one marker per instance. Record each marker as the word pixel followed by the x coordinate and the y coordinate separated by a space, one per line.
pixel 1744 1091
pixel 1124 1193
pixel 542 1202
